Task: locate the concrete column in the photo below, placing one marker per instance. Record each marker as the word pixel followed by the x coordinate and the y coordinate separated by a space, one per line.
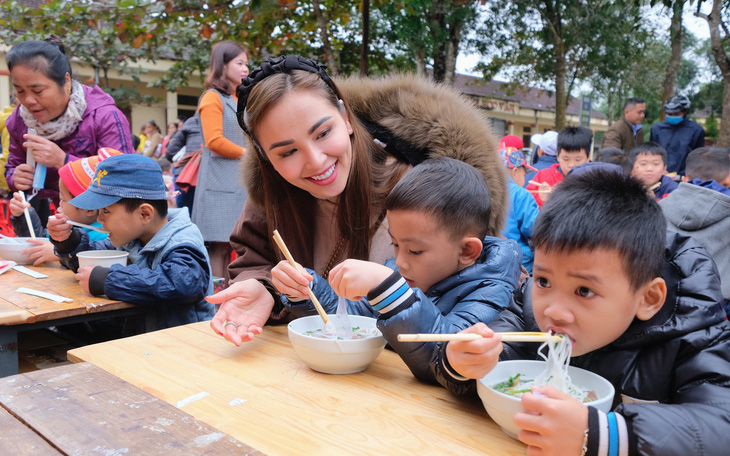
pixel 4 88
pixel 171 110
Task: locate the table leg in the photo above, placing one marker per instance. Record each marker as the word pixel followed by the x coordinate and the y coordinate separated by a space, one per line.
pixel 8 350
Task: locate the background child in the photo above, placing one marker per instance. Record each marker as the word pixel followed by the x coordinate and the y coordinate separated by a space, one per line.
pixel 700 207
pixel 523 208
pixel 73 179
pixel 169 270
pixel 663 342
pixel 545 153
pixel 649 165
pixel 574 145
pixel 447 278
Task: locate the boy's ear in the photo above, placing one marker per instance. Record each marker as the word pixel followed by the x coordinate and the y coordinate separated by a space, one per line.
pixel 94 212
pixel 685 179
pixel 654 294
pixel 471 248
pixel 147 212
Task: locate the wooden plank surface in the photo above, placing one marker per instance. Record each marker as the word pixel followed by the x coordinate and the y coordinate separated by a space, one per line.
pixel 261 393
pixel 60 281
pixel 83 410
pixel 17 439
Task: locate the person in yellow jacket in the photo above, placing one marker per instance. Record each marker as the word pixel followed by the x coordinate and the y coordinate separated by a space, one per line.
pixel 4 114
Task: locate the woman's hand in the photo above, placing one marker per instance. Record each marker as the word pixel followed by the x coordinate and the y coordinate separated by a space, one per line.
pixel 23 177
pixel 42 252
pixel 353 279
pixel 58 229
pixel 17 206
pixel 44 151
pixel 244 308
pixel 291 281
pixel 475 358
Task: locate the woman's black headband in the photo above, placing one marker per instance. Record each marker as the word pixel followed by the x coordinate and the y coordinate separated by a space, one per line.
pixel 282 64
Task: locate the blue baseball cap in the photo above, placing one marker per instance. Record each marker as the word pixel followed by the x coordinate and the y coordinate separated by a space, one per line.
pixel 123 176
pixel 513 158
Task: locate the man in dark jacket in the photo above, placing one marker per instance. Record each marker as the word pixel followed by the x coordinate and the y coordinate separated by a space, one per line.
pixel 678 135
pixel 625 134
pixel 641 309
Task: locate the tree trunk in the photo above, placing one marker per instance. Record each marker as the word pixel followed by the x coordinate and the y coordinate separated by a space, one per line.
pixel 365 38
pixel 675 36
pixel 437 23
pixel 324 36
pixel 717 42
pixel 452 51
pixel 421 62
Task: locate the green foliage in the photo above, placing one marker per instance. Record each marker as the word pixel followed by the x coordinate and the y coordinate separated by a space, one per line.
pixel 711 128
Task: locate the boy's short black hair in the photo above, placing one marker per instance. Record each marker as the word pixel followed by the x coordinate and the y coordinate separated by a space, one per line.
pixel 451 190
pixel 130 204
pixel 605 210
pixel 572 139
pixel 708 163
pixel 647 148
pixel 615 156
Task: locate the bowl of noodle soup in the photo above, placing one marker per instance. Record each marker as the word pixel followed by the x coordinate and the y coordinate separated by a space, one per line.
pixel 501 389
pixel 325 352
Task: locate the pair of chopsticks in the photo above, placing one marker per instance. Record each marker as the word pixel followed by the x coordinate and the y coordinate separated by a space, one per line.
pixel 538 184
pixel 506 337
pixel 280 242
pixel 27 215
pixel 88 227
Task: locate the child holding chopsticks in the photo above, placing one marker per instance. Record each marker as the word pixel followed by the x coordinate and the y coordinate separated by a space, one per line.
pixel 446 275
pixel 73 178
pixel 642 307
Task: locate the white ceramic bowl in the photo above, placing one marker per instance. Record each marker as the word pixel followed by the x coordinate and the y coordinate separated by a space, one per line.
pixel 11 250
pixel 332 356
pixel 502 407
pixel 104 258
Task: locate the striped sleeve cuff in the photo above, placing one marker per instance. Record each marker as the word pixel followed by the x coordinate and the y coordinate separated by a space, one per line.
pixel 608 434
pixel 391 294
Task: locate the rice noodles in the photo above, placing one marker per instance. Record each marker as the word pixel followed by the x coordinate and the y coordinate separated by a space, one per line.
pixel 555 373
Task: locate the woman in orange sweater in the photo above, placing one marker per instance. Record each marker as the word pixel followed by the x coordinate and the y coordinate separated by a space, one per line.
pixel 219 196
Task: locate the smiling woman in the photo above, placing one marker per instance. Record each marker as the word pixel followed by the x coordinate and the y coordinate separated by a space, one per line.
pixel 71 121
pixel 325 157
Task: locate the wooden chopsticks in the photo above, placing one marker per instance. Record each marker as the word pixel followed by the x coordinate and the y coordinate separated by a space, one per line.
pixel 280 242
pixel 506 337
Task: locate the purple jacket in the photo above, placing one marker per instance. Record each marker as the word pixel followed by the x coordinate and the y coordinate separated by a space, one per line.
pixel 102 125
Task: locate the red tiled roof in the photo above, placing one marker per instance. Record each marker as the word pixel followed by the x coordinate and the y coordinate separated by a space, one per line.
pixel 529 98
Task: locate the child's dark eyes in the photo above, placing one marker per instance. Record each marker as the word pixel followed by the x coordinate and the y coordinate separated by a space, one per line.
pixel 542 282
pixel 584 292
pixel 415 252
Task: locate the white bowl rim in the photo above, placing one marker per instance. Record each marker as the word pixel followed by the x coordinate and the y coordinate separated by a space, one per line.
pixel 102 254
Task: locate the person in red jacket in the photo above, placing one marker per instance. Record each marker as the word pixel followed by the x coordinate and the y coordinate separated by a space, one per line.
pixel 574 144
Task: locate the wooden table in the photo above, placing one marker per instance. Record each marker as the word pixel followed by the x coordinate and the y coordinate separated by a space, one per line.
pixel 263 395
pixel 80 409
pixel 23 312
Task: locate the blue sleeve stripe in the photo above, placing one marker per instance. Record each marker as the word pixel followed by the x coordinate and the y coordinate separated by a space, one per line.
pixel 612 435
pixel 402 289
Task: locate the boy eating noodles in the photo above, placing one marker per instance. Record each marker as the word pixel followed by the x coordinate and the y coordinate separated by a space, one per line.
pixel 169 270
pixel 448 276
pixel 649 165
pixel 642 309
pixel 574 145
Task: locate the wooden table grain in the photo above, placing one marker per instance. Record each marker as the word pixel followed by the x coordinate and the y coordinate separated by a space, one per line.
pixel 81 409
pixel 262 394
pixel 23 312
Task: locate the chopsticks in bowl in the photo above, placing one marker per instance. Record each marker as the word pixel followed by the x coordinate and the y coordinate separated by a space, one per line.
pixel 280 242
pixel 506 337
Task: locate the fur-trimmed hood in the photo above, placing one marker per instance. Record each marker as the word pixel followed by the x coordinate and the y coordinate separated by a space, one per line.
pixel 430 120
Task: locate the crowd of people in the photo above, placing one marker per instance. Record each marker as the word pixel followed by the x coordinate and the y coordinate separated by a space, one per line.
pixel 394 194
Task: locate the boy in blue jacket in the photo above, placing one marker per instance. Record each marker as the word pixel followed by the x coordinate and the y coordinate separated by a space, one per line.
pixel 170 270
pixel 642 309
pixel 649 164
pixel 448 274
pixel 522 206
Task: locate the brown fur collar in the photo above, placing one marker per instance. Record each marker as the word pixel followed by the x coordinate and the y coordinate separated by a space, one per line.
pixel 431 117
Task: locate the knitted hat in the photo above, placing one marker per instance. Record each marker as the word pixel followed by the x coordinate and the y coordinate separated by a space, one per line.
pixel 547 141
pixel 511 141
pixel 123 176
pixel 76 175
